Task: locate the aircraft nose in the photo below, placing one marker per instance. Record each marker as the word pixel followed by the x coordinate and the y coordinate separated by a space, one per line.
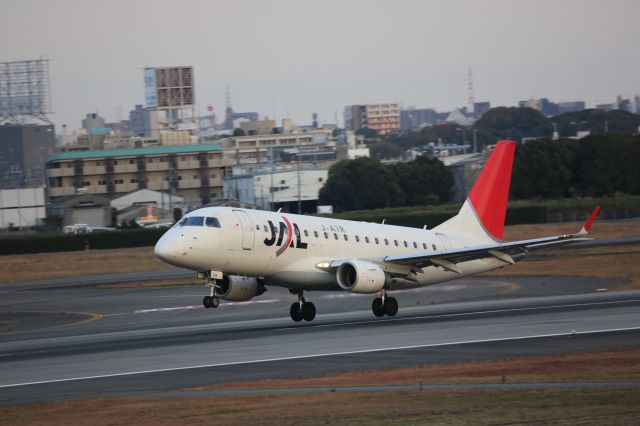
pixel 166 249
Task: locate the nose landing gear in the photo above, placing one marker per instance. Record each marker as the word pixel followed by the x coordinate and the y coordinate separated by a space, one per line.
pixel 384 305
pixel 211 301
pixel 302 310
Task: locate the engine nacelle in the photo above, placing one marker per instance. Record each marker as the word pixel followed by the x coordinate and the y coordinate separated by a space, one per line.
pixel 239 289
pixel 362 277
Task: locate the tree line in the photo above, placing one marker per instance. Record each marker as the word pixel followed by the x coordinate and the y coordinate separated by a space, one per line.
pixel 366 183
pixel 594 166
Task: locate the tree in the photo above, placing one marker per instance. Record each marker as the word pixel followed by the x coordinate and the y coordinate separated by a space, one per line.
pixel 543 169
pixel 238 132
pixel 597 165
pixel 601 164
pixel 424 181
pixel 514 123
pixel 360 184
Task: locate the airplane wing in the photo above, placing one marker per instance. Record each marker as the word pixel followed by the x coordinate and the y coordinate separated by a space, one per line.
pixel 448 259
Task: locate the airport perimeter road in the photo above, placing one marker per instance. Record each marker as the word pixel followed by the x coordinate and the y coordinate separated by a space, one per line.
pixel 143 361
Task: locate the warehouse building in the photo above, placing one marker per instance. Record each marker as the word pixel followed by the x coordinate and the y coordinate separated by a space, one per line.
pixel 194 172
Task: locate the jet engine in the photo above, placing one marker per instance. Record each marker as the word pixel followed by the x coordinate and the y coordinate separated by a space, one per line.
pixel 362 277
pixel 238 288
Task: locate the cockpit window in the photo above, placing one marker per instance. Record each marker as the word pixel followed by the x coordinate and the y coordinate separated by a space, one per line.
pixel 213 222
pixel 192 221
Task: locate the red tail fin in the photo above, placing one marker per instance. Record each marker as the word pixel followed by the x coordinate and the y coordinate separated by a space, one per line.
pixel 490 193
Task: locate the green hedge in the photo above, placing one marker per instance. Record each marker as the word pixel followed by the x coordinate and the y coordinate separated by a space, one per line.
pixel 74 242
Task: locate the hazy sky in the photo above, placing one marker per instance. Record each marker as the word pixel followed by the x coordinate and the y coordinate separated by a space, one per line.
pixel 294 57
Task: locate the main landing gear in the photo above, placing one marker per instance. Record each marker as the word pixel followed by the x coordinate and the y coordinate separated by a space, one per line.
pixel 302 310
pixel 384 305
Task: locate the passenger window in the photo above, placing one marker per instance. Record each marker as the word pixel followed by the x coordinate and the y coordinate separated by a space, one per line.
pixel 335 236
pixel 345 237
pixel 434 247
pixel 386 242
pixel 357 239
pixel 415 245
pixel 315 234
pixel 424 246
pixel 395 242
pixel 306 233
pixel 326 235
pixel 213 222
pixel 193 221
pixel 366 240
pixel 376 240
pixel 405 244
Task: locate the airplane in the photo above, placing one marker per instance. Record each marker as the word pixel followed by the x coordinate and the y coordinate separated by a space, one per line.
pixel 240 252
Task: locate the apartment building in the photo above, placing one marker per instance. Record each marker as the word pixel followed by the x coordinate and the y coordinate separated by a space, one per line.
pixel 384 118
pixel 194 172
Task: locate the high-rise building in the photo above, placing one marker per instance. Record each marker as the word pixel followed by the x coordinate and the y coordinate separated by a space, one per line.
pixel 23 153
pixel 384 118
pixel 136 121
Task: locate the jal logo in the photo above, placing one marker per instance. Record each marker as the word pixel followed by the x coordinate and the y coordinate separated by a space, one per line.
pixel 289 229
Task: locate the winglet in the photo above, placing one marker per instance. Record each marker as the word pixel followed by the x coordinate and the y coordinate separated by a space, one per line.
pixel 587 226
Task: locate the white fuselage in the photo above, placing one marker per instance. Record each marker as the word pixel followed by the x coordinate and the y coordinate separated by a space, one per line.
pixel 286 249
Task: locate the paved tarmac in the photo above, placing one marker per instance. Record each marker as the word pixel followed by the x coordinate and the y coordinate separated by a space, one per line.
pixel 90 341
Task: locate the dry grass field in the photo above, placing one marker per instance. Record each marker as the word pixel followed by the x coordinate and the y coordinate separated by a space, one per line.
pixel 29 267
pixel 611 365
pixel 547 406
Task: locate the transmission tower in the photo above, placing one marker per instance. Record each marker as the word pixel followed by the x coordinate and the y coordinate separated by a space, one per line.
pixel 471 99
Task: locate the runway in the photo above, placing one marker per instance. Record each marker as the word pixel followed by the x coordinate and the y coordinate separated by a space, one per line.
pixel 90 341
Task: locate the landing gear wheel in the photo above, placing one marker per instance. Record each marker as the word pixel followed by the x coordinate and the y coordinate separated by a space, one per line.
pixel 308 311
pixel 390 306
pixel 206 301
pixel 215 302
pixel 295 312
pixel 377 307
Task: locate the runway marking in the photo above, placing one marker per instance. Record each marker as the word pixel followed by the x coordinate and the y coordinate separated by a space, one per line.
pixel 454 315
pixel 361 351
pixel 191 307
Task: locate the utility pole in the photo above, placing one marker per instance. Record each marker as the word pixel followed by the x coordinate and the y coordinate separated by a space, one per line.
pixel 471 99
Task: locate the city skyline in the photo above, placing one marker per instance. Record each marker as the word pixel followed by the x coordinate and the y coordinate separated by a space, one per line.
pixel 290 59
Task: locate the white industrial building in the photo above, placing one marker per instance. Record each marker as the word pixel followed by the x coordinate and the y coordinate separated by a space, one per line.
pixel 22 207
pixel 281 189
pixel 148 197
